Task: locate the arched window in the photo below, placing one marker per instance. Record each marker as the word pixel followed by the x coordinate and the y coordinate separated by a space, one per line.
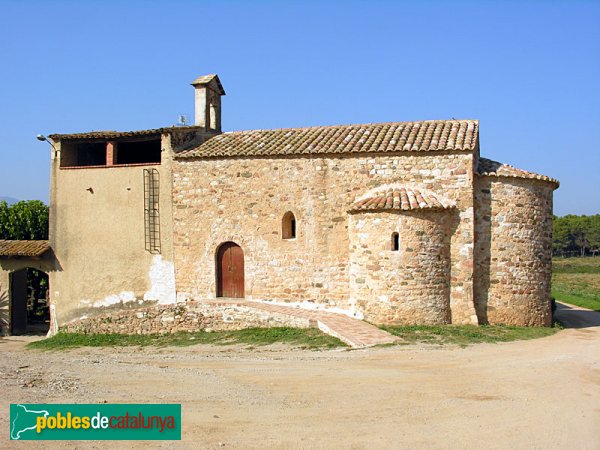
pixel 288 226
pixel 395 242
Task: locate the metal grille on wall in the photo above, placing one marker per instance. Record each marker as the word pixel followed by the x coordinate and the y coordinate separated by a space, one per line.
pixel 151 210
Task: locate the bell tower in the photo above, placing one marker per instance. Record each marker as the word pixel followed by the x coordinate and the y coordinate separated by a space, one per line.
pixel 208 91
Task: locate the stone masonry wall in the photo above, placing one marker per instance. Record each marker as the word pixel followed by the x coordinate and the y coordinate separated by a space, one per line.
pixel 189 316
pixel 513 251
pixel 410 285
pixel 244 199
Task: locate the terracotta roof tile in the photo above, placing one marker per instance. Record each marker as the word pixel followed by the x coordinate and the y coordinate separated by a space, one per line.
pixel 440 135
pixel 400 198
pixel 487 167
pixel 119 134
pixel 23 248
pixel 206 79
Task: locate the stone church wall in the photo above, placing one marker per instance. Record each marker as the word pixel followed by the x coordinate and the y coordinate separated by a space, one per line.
pixel 244 200
pixel 410 285
pixel 513 252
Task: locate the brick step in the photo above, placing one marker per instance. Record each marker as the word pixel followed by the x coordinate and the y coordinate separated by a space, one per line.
pixel 356 333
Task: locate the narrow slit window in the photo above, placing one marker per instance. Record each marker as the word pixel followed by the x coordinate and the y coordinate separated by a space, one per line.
pixel 395 242
pixel 288 226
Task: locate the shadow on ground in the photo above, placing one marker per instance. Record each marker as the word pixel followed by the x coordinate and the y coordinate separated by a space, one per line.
pixel 574 317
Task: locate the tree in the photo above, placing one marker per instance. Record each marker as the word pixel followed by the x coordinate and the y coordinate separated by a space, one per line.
pixel 594 234
pixel 24 220
pixel 4 219
pixel 561 237
pixel 576 235
pixel 579 231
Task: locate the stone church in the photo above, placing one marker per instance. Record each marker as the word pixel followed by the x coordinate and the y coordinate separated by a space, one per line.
pixel 399 222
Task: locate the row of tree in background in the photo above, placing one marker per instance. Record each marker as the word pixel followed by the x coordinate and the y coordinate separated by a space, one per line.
pixel 576 235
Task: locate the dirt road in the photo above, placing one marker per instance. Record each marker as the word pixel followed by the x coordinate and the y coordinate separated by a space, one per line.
pixel 540 394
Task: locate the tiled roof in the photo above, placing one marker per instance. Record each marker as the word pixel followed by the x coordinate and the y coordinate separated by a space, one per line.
pixel 435 135
pixel 120 134
pixel 491 168
pixel 400 198
pixel 206 79
pixel 23 248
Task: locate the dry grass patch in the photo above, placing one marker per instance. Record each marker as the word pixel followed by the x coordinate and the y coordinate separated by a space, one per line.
pixel 308 338
pixel 466 334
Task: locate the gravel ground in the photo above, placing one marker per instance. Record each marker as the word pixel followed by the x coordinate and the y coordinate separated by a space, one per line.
pixel 539 394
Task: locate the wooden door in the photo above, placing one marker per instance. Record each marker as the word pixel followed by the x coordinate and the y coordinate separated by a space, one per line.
pixel 230 271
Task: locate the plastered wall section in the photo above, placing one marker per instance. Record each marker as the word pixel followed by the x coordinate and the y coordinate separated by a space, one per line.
pixel 97 233
pixel 513 250
pixel 244 199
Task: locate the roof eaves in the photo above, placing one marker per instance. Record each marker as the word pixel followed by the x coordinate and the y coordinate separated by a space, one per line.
pixel 399 198
pixel 30 248
pixel 388 137
pixel 121 134
pixel 491 168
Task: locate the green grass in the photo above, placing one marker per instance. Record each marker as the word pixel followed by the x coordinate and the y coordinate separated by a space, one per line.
pixel 466 334
pixel 584 301
pixel 308 338
pixel 577 281
pixel 576 265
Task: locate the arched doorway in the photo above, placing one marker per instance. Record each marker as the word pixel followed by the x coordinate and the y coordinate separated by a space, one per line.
pixel 29 309
pixel 230 271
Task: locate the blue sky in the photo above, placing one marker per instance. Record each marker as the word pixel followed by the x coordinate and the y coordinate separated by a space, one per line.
pixel 529 71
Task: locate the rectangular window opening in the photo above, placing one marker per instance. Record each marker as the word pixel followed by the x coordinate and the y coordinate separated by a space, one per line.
pixel 137 152
pixel 83 154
